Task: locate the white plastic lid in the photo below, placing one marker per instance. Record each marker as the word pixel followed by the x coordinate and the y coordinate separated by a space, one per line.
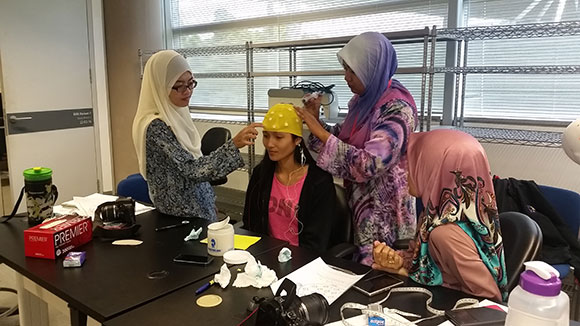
pixel 541 279
pixel 542 269
pixel 236 257
pixel 219 225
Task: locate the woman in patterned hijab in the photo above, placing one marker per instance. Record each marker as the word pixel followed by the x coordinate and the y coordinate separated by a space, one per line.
pixel 368 150
pixel 458 242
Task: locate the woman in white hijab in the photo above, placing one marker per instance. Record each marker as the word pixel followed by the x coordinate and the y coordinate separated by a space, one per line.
pixel 168 144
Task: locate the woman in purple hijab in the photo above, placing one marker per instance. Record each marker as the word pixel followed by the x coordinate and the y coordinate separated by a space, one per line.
pixel 368 150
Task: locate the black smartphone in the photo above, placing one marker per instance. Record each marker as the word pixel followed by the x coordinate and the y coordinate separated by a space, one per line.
pixel 377 284
pixel 476 316
pixel 193 259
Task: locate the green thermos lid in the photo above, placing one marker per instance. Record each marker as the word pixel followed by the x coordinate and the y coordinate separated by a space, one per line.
pixel 37 174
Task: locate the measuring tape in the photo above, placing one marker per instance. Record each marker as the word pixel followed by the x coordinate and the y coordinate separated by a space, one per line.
pixel 390 315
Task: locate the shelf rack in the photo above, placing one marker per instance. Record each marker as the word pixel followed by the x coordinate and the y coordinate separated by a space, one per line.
pixel 515 136
pixel 426 36
pixel 465 35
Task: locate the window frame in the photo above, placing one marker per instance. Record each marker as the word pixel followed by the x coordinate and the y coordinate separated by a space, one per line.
pixel 456 14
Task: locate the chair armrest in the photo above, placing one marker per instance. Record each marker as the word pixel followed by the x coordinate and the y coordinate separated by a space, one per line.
pixel 342 250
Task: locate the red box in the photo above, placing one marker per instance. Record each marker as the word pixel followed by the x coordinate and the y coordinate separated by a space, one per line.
pixel 58 236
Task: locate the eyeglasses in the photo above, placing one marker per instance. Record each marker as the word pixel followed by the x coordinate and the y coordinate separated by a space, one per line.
pixel 181 88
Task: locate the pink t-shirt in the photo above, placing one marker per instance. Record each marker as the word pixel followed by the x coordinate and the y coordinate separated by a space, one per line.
pixel 283 218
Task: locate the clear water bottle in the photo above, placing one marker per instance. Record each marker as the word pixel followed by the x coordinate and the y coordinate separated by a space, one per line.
pixel 538 299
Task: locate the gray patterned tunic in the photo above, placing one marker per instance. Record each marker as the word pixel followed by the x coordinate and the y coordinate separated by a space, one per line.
pixel 178 183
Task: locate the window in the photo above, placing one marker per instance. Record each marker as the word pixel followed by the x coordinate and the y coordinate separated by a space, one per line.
pixel 546 97
pixel 213 23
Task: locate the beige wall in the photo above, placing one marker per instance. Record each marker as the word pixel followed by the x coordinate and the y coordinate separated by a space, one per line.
pixel 546 166
pixel 129 26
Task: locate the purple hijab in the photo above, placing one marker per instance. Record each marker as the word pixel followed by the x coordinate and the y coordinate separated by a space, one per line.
pixel 373 59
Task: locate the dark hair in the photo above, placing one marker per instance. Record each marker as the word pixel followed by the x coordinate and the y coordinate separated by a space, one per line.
pixel 269 166
pixel 266 173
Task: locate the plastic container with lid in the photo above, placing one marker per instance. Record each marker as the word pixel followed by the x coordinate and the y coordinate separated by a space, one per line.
pixel 220 237
pixel 538 299
pixel 41 194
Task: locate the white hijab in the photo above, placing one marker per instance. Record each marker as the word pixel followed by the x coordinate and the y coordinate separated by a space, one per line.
pixel 161 72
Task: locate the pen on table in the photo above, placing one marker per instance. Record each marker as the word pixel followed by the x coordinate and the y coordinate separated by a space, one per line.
pixel 204 287
pixel 172 226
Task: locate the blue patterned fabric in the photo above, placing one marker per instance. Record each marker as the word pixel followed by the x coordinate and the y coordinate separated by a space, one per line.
pixel 179 183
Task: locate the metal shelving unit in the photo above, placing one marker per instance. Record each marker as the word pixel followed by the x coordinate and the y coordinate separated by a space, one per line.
pixel 425 36
pixel 465 35
pixel 514 136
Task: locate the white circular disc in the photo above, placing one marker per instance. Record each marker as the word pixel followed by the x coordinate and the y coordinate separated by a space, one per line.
pixel 236 257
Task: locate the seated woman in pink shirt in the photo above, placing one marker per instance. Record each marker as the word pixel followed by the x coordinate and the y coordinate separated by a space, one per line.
pixel 458 242
pixel 289 197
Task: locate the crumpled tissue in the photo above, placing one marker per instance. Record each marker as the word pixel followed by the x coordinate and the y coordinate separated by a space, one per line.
pixel 256 275
pixel 193 235
pixel 284 255
pixel 223 277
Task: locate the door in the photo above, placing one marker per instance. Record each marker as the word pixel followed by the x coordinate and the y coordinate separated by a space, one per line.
pixel 44 58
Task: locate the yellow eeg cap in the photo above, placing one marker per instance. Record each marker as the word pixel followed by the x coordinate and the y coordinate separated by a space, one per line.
pixel 283 118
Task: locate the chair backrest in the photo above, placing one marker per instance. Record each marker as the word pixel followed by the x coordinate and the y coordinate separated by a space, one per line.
pixel 566 203
pixel 212 140
pixel 342 228
pixel 134 186
pixel 522 241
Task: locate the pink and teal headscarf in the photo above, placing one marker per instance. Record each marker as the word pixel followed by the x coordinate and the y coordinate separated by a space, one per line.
pixel 451 175
pixel 373 59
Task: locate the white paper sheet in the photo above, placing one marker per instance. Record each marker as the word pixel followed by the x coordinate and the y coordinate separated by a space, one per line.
pixel 318 277
pixel 86 206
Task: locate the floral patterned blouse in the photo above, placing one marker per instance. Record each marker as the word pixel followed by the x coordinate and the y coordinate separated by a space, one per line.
pixel 375 176
pixel 178 182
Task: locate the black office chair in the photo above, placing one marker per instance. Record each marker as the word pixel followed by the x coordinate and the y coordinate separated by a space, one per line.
pixel 212 140
pixel 341 238
pixel 522 241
